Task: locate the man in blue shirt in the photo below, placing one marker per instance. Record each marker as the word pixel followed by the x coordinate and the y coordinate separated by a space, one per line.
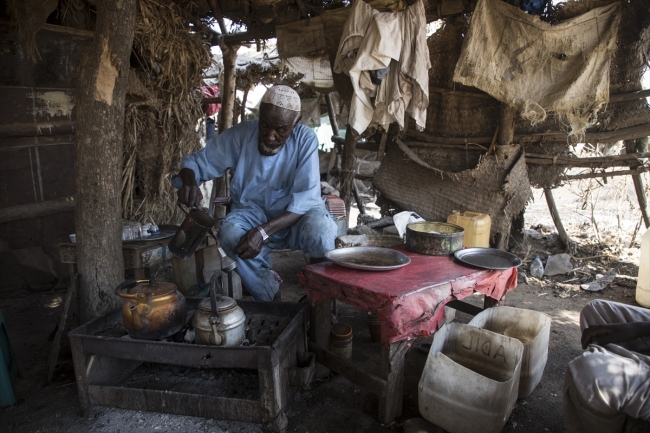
pixel 275 190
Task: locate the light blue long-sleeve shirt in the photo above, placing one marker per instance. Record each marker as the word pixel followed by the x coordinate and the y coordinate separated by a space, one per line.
pixel 288 181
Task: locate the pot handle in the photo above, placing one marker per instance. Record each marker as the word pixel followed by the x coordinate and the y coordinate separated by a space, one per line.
pixel 216 279
pixel 180 206
pixel 122 289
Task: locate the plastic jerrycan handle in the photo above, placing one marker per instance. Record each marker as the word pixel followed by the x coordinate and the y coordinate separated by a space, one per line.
pixel 472 214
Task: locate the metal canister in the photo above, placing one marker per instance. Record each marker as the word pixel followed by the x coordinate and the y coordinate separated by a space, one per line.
pixel 341 340
pixel 374 326
pixel 433 238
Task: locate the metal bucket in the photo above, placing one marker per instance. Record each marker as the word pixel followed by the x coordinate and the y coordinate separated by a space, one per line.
pixel 433 238
pixel 196 225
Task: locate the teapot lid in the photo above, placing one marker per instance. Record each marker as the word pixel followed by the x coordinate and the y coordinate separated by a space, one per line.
pixel 223 303
pixel 158 288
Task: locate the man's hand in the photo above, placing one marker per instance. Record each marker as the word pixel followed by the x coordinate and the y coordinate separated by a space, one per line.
pixel 249 245
pixel 190 193
pixel 614 333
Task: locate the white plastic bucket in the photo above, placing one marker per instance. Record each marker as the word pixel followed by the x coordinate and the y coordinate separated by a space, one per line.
pixel 470 380
pixel 532 328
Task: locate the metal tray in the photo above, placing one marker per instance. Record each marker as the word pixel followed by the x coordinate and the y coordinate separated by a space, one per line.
pixel 488 258
pixel 368 258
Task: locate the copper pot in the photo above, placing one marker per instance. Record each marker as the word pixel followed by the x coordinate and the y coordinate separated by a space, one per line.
pixel 151 310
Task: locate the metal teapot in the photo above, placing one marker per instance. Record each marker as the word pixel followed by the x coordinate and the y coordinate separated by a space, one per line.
pixel 219 321
pixel 151 310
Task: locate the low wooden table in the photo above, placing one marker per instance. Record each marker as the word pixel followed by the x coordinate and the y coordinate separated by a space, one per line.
pixel 408 301
pixel 138 255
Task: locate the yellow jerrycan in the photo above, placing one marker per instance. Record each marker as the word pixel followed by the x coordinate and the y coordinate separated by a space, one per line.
pixel 476 225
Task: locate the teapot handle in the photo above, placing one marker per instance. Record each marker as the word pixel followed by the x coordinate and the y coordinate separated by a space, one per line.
pixel 122 289
pixel 214 316
pixel 180 206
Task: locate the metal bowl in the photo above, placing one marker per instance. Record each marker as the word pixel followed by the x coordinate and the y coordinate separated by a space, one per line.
pixel 434 238
pixel 368 258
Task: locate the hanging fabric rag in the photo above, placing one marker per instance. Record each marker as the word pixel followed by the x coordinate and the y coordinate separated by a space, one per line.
pixel 387 58
pixel 535 67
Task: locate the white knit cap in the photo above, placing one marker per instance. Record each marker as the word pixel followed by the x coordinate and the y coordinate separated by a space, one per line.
pixel 283 97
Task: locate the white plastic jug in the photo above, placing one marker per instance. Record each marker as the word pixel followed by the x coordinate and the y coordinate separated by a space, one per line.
pixel 643 282
pixel 532 328
pixel 470 381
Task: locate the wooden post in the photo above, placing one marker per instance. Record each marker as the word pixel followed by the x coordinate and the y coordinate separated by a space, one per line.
pixel 235 111
pixel 243 106
pixel 54 353
pixel 228 86
pixel 101 90
pixel 216 11
pixel 392 370
pixel 347 166
pixel 357 198
pixel 319 331
pixel 382 146
pixel 505 135
pixel 631 147
pixel 332 115
pixel 564 236
pixel 225 120
pixel 335 130
pixel 506 132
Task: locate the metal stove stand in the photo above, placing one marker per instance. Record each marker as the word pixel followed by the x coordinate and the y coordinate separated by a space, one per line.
pixel 102 363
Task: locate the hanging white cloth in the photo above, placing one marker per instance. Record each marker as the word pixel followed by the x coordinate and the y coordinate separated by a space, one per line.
pixel 375 40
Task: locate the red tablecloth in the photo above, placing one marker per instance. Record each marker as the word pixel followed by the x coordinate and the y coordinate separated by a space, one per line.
pixel 410 300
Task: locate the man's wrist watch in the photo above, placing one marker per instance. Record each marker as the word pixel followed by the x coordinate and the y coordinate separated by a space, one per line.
pixel 265 237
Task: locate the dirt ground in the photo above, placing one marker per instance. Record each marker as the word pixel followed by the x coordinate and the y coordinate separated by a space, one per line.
pixel 335 404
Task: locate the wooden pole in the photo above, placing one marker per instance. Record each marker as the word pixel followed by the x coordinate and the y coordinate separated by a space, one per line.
pixel 564 236
pixel 604 174
pixel 216 12
pixel 592 162
pixel 228 86
pixel 235 112
pixel 35 210
pixel 332 115
pixel 347 169
pixel 505 135
pixel 629 133
pixel 630 147
pixel 382 146
pixel 102 79
pixel 335 129
pixel 357 198
pixel 243 106
pixel 219 188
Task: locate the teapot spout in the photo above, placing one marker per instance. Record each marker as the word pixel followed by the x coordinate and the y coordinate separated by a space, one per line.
pixel 138 311
pixel 136 320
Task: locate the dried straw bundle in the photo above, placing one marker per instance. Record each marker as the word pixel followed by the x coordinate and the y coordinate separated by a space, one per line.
pixel 163 110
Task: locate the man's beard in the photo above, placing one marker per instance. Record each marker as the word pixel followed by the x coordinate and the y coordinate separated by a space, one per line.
pixel 268 150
